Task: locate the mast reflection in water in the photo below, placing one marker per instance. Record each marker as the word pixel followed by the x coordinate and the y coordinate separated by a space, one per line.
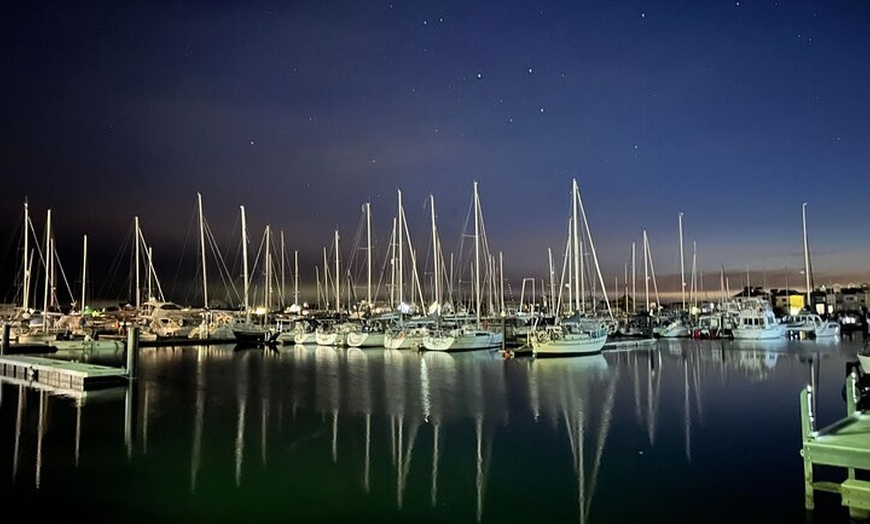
pixel 703 431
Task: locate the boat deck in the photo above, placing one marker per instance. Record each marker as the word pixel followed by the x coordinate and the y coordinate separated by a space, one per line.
pixel 844 444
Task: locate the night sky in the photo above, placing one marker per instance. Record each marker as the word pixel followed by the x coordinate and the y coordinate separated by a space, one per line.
pixel 733 113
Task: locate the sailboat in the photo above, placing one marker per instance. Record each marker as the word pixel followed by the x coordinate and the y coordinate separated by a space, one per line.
pixel 459 333
pixel 576 334
pixel 248 332
pixel 410 328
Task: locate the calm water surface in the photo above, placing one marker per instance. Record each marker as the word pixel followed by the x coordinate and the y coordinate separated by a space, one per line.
pixel 683 431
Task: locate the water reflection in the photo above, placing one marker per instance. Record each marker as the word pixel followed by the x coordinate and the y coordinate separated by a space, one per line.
pixel 405 435
pixel 568 392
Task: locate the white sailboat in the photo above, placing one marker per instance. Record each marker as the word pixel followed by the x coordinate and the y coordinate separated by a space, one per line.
pixel 369 331
pixel 247 331
pixel 408 331
pixel 466 333
pixel 575 334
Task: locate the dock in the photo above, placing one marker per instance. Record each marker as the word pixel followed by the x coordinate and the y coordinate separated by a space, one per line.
pixel 845 444
pixel 61 374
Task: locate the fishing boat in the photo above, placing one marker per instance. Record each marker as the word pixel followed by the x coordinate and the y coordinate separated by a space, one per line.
pixel 757 321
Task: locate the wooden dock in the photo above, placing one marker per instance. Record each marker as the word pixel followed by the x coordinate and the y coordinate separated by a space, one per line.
pixel 61 374
pixel 844 444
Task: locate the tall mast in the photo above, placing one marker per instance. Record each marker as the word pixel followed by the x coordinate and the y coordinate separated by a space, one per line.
pixel 369 254
pixel 807 270
pixel 682 265
pixel 84 272
pixel 400 218
pixel 552 280
pixel 25 302
pixel 202 251
pixel 138 290
pixel 501 281
pixel 435 257
pixel 48 255
pixel 337 277
pixel 245 265
pixel 476 253
pixel 646 270
pixel 283 265
pixel 267 291
pixel 633 280
pixel 575 248
pixel 693 296
pixel 295 276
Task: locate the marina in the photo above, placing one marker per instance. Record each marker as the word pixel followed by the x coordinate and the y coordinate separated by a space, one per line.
pixel 219 433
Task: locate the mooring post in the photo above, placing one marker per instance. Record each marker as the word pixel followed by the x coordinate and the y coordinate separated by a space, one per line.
pixel 132 352
pixel 503 331
pixel 808 426
pixel 5 345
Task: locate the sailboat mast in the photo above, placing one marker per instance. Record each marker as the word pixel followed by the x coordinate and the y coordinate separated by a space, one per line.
pixel 283 266
pixel 552 280
pixel 399 230
pixel 202 251
pixel 84 272
pixel 47 271
pixel 245 265
pixel 476 253
pixel 633 279
pixel 136 255
pixel 295 276
pixel 436 279
pixel 575 248
pixel 682 265
pixel 267 291
pixel 646 270
pixel 337 277
pixel 25 301
pixel 807 271
pixel 369 253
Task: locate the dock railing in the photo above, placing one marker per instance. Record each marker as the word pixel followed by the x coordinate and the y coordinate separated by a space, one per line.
pixel 844 444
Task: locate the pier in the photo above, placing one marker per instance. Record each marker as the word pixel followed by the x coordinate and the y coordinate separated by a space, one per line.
pixel 845 444
pixel 67 375
pixel 60 374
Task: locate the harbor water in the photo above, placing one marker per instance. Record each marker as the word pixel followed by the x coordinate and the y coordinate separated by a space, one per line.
pixel 679 431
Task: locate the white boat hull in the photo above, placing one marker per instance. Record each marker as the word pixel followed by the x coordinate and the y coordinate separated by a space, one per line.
pixel 557 342
pixel 462 340
pixel 365 339
pixel 774 332
pixel 403 339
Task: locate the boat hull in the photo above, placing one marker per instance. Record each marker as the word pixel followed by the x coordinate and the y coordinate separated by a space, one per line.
pixel 567 341
pixel 462 340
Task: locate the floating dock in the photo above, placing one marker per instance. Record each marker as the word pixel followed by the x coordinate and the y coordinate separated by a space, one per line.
pixel 844 444
pixel 61 374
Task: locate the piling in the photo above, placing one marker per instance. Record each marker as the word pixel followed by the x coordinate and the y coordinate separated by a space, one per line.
pixel 5 345
pixel 132 352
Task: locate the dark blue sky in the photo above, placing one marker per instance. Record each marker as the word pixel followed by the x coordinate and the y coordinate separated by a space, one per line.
pixel 733 113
